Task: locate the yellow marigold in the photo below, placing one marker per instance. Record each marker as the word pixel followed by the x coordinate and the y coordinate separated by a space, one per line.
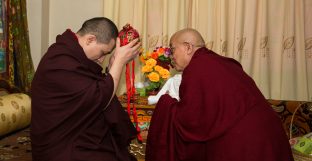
pixel 164 73
pixel 153 76
pixel 146 69
pixel 158 68
pixel 150 62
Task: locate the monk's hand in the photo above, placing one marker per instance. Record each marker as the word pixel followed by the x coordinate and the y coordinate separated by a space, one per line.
pixel 126 53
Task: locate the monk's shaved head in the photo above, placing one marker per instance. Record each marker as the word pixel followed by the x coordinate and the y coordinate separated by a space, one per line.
pixel 183 45
pixel 189 35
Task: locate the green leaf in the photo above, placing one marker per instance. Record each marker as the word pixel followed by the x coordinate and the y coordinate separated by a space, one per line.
pixel 142 91
pixel 164 59
pixel 153 85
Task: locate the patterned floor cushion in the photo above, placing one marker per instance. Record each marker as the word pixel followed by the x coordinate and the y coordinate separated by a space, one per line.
pixel 15 112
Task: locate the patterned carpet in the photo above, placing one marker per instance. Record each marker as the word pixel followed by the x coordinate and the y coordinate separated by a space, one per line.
pixel 16 146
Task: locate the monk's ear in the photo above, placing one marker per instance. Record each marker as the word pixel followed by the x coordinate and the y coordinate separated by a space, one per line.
pixel 90 39
pixel 189 47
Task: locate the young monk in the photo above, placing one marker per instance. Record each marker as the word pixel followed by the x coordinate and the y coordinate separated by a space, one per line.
pixel 75 113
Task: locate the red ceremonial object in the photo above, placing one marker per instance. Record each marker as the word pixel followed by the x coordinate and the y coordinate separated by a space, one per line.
pixel 126 35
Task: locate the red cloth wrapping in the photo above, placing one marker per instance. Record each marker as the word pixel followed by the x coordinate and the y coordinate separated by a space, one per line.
pixel 126 35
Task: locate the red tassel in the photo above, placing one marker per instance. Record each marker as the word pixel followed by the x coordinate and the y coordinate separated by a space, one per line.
pixel 126 35
pixel 128 85
pixel 131 97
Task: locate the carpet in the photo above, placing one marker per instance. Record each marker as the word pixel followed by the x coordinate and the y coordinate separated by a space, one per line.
pixel 16 146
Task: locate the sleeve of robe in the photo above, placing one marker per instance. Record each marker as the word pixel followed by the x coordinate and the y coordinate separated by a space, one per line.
pixel 66 83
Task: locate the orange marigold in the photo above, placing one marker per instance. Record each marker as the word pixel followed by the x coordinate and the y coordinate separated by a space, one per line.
pixel 164 73
pixel 146 69
pixel 151 62
pixel 158 68
pixel 153 76
pixel 154 55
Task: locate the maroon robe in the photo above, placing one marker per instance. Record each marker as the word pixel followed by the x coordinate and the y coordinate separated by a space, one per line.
pixel 222 116
pixel 69 94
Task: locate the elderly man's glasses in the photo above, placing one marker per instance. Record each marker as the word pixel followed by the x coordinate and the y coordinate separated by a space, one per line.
pixel 172 49
pixel 194 45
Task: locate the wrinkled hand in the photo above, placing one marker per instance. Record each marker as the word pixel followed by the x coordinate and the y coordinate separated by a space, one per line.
pixel 126 53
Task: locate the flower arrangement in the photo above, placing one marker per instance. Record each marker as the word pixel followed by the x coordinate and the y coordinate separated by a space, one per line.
pixel 156 66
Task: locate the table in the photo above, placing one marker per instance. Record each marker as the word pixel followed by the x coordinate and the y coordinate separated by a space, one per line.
pixel 144 112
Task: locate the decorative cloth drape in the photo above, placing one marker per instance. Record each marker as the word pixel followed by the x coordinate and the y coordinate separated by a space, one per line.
pixel 271 39
pixel 15 59
pixel 3 57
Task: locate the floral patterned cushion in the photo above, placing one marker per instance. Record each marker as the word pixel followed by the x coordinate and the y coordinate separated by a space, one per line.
pixel 15 112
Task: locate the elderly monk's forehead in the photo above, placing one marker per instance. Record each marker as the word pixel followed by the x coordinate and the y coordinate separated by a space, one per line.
pixel 186 35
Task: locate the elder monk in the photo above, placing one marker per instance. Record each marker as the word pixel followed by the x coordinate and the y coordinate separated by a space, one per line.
pixel 221 115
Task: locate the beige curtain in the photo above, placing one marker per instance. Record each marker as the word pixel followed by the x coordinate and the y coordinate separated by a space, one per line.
pixel 308 43
pixel 155 20
pixel 271 39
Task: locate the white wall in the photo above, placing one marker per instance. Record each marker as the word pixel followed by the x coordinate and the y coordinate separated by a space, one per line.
pixel 48 18
pixel 34 16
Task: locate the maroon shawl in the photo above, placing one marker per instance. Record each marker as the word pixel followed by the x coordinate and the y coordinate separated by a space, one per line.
pixel 69 93
pixel 222 116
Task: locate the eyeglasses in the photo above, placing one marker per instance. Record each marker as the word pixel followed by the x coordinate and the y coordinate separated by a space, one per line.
pixel 172 49
pixel 194 45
